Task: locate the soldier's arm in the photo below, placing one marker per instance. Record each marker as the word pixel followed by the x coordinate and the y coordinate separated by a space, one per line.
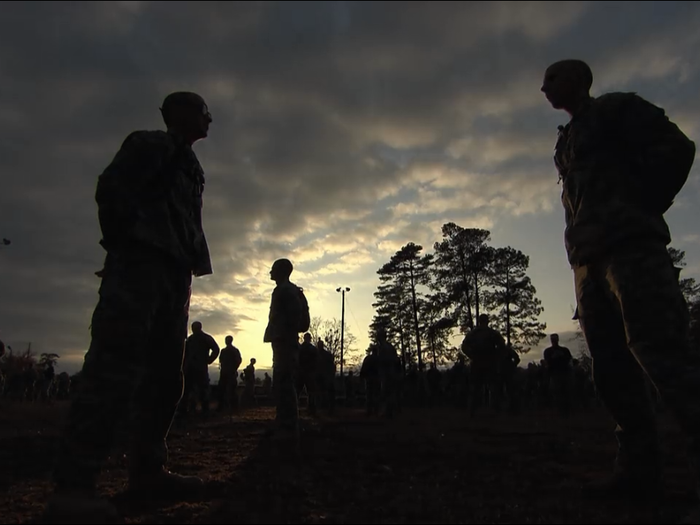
pixel 215 350
pixel 291 309
pixel 124 184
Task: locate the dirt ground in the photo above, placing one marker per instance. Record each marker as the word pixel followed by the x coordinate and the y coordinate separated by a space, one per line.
pixel 426 466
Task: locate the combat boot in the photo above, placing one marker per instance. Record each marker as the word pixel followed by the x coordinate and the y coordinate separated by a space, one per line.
pixel 79 506
pixel 637 476
pixel 161 483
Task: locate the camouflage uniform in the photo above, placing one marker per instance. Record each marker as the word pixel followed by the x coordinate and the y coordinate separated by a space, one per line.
pixel 197 361
pixel 282 331
pixel 150 201
pixel 613 158
pixel 486 350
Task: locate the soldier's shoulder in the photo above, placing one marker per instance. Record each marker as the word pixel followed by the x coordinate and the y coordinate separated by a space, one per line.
pixel 143 140
pixel 619 100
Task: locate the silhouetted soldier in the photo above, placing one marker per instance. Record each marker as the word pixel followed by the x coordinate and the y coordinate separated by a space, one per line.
pixel 249 384
pixel 559 364
pixel 511 379
pixel 283 332
pixel 389 369
pixel 621 163
pixel 308 371
pixel 229 362
pixel 150 211
pixel 486 350
pixel 459 382
pixel 267 385
pixel 325 377
pixel 350 394
pixel 201 350
pixel 371 375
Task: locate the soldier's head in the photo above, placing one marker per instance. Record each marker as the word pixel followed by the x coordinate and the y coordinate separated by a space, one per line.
pixel 281 270
pixel 567 83
pixel 186 114
pixel 320 344
pixel 229 339
pixel 554 338
pixel 307 337
pixel 196 327
pixel 483 321
pixel 253 361
pixel 381 334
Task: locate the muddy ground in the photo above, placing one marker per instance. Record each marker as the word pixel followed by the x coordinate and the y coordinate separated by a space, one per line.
pixel 427 466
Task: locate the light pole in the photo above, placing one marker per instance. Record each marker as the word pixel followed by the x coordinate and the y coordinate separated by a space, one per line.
pixel 342 328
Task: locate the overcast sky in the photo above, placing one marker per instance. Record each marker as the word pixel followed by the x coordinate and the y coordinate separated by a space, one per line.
pixel 341 132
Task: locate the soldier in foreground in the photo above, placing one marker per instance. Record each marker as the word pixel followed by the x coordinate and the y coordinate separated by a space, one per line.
pixel 150 211
pixel 282 331
pixel 229 361
pixel 201 350
pixel 621 163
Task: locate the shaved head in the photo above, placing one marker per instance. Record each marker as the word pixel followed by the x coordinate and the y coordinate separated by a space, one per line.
pixel 567 84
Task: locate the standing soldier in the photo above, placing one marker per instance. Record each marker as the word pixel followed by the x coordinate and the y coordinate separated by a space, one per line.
pixel 622 162
pixel 486 351
pixel 201 350
pixel 150 211
pixel 285 321
pixel 389 365
pixel 559 363
pixel 229 362
pixel 308 370
pixel 249 384
pixel 325 377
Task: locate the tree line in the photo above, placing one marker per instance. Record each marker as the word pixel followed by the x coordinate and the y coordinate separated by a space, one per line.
pixel 424 298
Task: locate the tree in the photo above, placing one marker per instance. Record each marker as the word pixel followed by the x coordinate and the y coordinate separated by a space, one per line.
pixel 513 297
pixel 462 263
pixel 47 360
pixel 328 330
pixel 401 277
pixel 689 287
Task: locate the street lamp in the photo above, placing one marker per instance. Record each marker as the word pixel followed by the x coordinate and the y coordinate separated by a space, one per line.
pixel 342 327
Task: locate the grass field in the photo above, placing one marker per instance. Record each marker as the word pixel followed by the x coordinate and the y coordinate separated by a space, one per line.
pixel 426 466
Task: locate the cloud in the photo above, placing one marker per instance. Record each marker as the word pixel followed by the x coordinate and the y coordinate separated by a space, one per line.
pixel 341 132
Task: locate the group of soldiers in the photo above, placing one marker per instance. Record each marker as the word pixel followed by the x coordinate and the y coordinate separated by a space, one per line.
pixel 621 162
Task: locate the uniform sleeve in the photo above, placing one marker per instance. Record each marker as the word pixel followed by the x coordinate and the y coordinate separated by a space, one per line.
pixel 123 187
pixel 214 347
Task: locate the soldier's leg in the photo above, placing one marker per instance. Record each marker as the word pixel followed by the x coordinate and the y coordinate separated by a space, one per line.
pixel 160 385
pixel 285 370
pixel 618 378
pixel 121 324
pixel 657 322
pixel 223 392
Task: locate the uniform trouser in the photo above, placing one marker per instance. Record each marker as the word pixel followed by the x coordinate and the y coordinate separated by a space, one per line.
pixel 561 384
pixel 197 389
pixel 373 388
pixel 389 392
pixel 228 386
pixel 635 320
pixel 479 381
pixel 132 368
pixel 285 368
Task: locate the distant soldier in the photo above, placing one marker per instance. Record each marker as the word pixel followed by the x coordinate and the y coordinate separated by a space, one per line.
pixel 389 370
pixel 486 350
pixel 267 385
pixel 308 370
pixel 150 211
pixel 622 162
pixel 511 379
pixel 325 377
pixel 229 362
pixel 559 362
pixel 284 324
pixel 371 375
pixel 201 350
pixel 350 392
pixel 249 384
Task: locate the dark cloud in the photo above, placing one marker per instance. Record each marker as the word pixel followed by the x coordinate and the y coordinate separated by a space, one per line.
pixel 326 117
